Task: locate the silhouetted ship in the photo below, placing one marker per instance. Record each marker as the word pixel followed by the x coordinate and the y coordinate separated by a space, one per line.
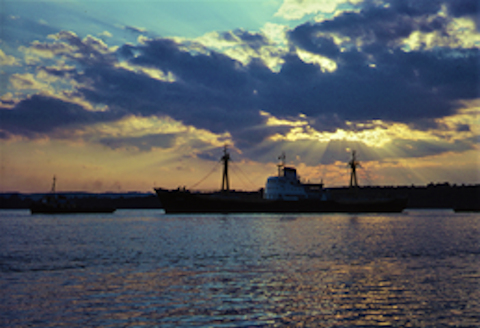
pixel 467 208
pixel 283 194
pixel 58 204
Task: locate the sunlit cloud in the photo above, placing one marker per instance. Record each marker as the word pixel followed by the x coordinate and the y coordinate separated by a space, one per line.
pixel 459 33
pixel 146 133
pixel 8 100
pixel 297 9
pixel 27 81
pixel 388 139
pixel 106 34
pixel 273 121
pixel 7 60
pixel 325 63
pixel 269 45
pixel 151 72
pixel 46 50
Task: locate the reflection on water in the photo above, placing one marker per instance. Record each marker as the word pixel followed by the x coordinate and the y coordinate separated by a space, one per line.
pixel 143 268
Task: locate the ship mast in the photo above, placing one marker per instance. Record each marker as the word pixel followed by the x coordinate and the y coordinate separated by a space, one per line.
pixel 282 164
pixel 353 166
pixel 225 181
pixel 53 185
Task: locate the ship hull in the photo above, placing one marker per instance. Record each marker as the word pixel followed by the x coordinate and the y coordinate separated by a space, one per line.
pixel 177 201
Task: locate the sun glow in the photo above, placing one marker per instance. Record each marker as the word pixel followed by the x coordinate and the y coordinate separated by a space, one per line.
pixel 378 134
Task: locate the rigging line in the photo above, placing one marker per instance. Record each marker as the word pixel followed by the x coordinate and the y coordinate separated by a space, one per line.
pixel 234 171
pixel 205 177
pixel 364 172
pixel 246 177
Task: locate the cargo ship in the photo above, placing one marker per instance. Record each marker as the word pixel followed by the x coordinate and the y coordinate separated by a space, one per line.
pixel 283 193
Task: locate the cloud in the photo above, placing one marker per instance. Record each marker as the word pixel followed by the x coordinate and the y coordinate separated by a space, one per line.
pixel 297 9
pixel 375 76
pixel 465 8
pixel 266 46
pixel 385 25
pixel 41 115
pixel 26 82
pixel 134 29
pixel 148 133
pixel 222 82
pixel 106 34
pixel 7 100
pixel 210 91
pixel 305 37
pixel 7 60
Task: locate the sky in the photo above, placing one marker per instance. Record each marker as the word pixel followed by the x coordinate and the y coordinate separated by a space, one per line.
pixel 116 96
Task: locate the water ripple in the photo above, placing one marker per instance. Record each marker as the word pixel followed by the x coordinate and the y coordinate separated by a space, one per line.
pixel 139 268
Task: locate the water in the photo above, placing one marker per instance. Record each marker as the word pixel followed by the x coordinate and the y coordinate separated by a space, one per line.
pixel 144 268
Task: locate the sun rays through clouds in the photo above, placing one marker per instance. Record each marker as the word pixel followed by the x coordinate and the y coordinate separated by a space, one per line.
pixel 141 97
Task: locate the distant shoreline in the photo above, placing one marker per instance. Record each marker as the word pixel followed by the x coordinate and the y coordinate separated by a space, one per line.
pixel 441 195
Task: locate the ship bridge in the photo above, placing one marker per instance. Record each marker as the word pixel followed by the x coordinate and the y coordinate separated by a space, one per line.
pixel 285 187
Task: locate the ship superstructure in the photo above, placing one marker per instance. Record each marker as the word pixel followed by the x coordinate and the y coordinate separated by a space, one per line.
pixel 287 186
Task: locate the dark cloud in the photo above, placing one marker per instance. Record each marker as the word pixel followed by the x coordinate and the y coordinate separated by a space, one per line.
pixel 465 8
pixel 88 51
pixel 463 128
pixel 7 102
pixel 4 135
pixel 208 71
pixel 304 36
pixel 402 87
pixel 39 115
pixel 251 39
pixel 251 137
pixel 383 24
pixel 211 91
pixel 58 71
pixel 380 80
pixel 126 51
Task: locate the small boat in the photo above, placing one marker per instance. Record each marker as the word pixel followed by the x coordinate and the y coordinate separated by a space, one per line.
pixel 59 204
pixel 284 193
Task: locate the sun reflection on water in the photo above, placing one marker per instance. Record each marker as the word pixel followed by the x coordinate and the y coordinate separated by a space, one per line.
pixel 272 271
